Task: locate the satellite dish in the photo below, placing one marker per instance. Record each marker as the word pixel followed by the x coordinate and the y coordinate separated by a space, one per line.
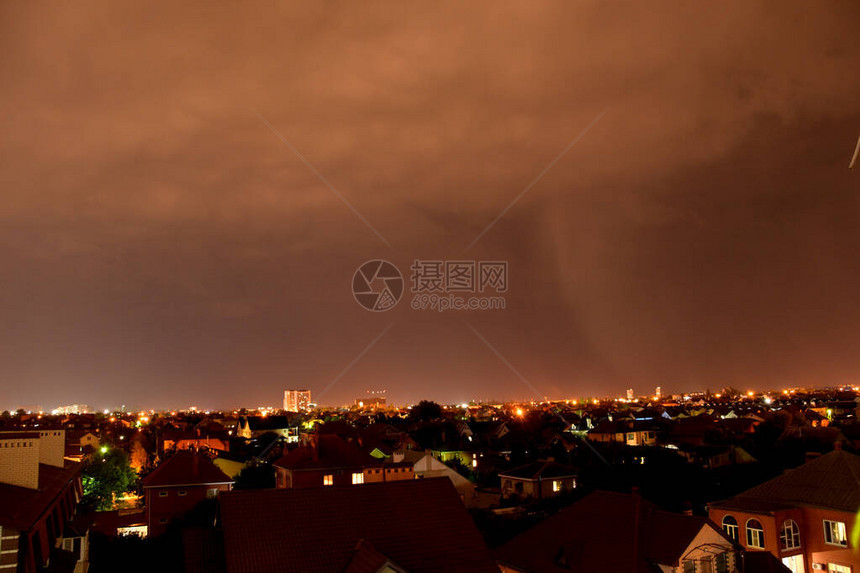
pixel 856 153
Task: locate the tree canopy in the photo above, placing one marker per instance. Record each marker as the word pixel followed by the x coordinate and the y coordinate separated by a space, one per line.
pixel 107 474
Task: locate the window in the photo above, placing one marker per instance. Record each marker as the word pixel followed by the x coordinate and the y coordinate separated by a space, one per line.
pixel 689 566
pixel 162 520
pixel 834 533
pixel 162 494
pixel 212 493
pixel 730 526
pixel 357 478
pixel 557 485
pixel 328 479
pixel 182 493
pixel 789 535
pixel 755 534
pixel 834 568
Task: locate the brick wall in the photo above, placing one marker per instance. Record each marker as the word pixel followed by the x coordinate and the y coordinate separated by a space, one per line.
pixel 19 461
pixel 52 447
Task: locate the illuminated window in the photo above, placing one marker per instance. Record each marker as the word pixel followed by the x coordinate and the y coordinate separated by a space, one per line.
pixel 357 478
pixel 557 485
pixel 328 479
pixel 834 568
pixel 730 526
pixel 212 493
pixel 834 533
pixel 755 534
pixel 789 535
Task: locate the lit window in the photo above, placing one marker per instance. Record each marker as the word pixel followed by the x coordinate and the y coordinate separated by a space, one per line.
pixel 730 526
pixel 834 568
pixel 212 493
pixel 755 534
pixel 357 478
pixel 328 479
pixel 789 535
pixel 557 485
pixel 834 533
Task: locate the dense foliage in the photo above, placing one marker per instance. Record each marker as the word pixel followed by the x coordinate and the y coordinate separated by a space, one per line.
pixel 107 474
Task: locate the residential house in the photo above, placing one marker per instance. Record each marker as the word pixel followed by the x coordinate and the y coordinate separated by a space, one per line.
pixel 249 427
pixel 425 465
pixel 621 533
pixel 805 517
pixel 626 432
pixel 177 485
pixel 331 460
pixel 537 480
pixel 39 492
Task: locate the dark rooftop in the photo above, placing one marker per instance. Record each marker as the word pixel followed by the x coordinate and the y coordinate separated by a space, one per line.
pixel 419 525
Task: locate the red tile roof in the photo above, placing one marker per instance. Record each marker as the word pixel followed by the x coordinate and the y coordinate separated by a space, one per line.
pixel 831 481
pixel 420 525
pixel 186 468
pixel 333 452
pixel 21 507
pixel 605 532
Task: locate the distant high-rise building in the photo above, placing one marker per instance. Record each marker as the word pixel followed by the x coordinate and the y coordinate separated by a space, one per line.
pixel 659 392
pixel 373 399
pixel 72 409
pixel 297 400
pixel 630 393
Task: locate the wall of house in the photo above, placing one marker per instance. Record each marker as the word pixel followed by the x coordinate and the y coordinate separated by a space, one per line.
pixel 810 523
pixel 19 462
pixel 162 509
pixel 52 447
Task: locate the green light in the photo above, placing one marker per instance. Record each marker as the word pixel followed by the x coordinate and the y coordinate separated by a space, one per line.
pixel 104 449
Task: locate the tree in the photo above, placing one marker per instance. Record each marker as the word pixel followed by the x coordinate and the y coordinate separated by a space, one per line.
pixel 427 410
pixel 105 475
pixel 256 476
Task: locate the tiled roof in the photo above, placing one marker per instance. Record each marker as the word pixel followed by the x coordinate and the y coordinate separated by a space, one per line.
pixel 540 470
pixel 420 525
pixel 20 507
pixel 186 467
pixel 831 481
pixel 604 532
pixel 366 559
pixel 333 452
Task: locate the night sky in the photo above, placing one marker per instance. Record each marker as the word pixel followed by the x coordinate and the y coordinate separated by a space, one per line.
pixel 162 246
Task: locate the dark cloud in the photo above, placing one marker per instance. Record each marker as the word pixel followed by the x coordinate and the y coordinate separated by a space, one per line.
pixel 161 246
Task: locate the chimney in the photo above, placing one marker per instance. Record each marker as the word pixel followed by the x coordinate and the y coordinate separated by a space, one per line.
pixel 52 447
